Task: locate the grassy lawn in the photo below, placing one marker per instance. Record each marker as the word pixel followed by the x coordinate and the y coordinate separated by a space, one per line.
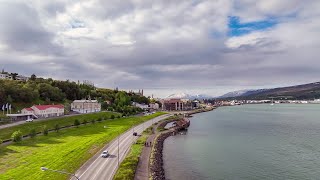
pixel 129 164
pixel 66 150
pixel 50 123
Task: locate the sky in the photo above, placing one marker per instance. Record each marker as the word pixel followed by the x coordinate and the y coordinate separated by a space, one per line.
pixel 165 46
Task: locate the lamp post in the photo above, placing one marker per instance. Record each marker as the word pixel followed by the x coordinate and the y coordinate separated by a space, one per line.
pixel 58 171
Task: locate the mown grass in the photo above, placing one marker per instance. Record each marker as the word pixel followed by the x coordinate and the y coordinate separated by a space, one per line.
pixel 50 123
pixel 129 165
pixel 66 150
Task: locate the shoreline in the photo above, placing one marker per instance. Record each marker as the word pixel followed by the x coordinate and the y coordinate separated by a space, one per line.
pixel 156 166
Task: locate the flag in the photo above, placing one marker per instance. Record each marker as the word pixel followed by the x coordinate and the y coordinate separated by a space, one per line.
pixel 2 107
pixel 9 106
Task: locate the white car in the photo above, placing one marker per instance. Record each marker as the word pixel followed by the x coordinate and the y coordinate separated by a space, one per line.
pixel 105 154
pixel 29 120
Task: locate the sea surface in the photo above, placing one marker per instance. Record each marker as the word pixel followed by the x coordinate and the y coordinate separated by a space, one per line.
pixel 248 142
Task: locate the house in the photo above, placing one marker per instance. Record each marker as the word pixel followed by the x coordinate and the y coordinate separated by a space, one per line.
pixel 22 78
pixel 44 111
pixel 5 76
pixel 154 106
pixel 142 106
pixel 176 104
pixel 86 106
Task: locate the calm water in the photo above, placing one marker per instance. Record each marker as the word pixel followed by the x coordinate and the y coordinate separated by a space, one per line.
pixel 248 142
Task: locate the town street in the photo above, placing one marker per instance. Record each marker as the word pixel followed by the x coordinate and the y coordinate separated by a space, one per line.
pixel 98 168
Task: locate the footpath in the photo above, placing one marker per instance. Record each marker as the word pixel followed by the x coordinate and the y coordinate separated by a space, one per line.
pixel 142 171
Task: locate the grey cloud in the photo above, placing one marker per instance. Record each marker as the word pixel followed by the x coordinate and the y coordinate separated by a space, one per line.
pixel 21 29
pixel 172 47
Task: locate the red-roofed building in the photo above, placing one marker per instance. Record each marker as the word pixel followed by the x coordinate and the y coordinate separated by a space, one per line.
pixel 45 111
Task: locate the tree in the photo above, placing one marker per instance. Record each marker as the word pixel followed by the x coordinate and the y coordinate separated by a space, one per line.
pixel 57 127
pixel 99 119
pixel 112 116
pixel 33 133
pixel 93 121
pixel 16 136
pixel 85 122
pixel 45 130
pixel 76 122
pixel 33 77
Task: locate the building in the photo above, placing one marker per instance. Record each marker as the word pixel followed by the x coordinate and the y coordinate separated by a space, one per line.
pixel 176 104
pixel 142 106
pixel 86 106
pixel 22 117
pixel 22 78
pixel 5 76
pixel 154 106
pixel 44 111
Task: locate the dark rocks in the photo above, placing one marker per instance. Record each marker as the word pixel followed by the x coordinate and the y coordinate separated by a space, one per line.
pixel 156 168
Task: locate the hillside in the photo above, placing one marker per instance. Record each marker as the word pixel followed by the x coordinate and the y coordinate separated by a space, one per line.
pixel 300 92
pixel 48 91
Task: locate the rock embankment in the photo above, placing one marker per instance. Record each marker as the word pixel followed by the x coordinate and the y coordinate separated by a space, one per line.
pixel 156 168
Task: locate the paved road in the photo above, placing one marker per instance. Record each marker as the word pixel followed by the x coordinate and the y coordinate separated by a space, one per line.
pixel 98 168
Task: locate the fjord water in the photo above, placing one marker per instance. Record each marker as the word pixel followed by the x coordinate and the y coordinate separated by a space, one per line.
pixel 248 142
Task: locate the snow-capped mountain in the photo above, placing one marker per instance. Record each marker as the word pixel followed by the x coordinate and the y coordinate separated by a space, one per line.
pixel 188 96
pixel 234 93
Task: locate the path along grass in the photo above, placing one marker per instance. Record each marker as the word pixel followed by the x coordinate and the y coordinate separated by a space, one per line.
pixel 66 150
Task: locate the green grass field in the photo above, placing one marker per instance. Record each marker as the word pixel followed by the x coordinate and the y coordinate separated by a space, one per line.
pixel 50 123
pixel 66 150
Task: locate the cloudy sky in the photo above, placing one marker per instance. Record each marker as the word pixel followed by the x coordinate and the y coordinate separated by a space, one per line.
pixel 164 46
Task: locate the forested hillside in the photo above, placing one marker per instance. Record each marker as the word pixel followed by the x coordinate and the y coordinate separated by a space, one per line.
pixel 48 91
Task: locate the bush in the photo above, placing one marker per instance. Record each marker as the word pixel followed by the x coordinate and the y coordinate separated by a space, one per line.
pixel 76 122
pixel 112 116
pixel 45 130
pixel 1 141
pixel 85 122
pixel 33 133
pixel 118 116
pixel 93 121
pixel 99 119
pixel 57 127
pixel 16 136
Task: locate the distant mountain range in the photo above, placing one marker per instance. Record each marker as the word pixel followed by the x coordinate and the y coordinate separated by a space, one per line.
pixel 188 96
pixel 304 91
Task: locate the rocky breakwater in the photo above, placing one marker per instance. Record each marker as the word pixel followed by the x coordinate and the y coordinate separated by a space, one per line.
pixel 156 168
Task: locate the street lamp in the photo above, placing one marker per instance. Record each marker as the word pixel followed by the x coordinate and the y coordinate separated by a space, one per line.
pixel 62 172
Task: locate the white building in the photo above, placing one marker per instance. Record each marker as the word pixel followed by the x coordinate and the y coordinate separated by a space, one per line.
pixel 22 78
pixel 86 106
pixel 154 106
pixel 44 111
pixel 142 106
pixel 5 76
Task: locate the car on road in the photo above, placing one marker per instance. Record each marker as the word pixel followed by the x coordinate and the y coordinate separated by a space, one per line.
pixel 135 134
pixel 105 154
pixel 29 120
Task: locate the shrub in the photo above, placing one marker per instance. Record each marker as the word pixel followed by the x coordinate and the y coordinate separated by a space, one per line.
pixel 112 116
pixel 118 116
pixel 1 141
pixel 33 133
pixel 57 127
pixel 99 119
pixel 85 122
pixel 16 136
pixel 93 121
pixel 76 122
pixel 45 130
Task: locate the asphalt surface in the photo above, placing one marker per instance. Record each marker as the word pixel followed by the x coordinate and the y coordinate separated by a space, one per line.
pixel 98 168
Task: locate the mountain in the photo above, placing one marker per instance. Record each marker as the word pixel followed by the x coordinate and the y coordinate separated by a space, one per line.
pixel 234 94
pixel 188 96
pixel 304 91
